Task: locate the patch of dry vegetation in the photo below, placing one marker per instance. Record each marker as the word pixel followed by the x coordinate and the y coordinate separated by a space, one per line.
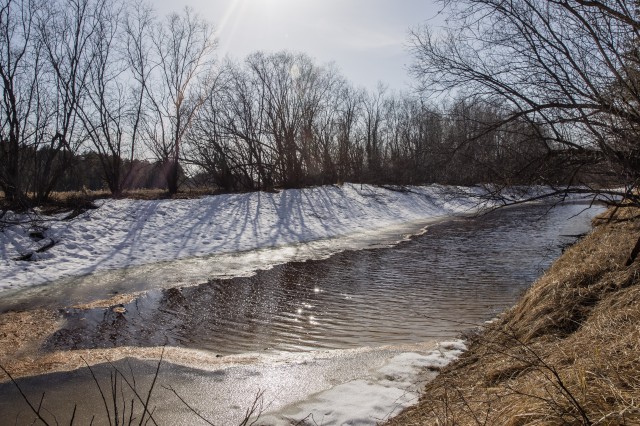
pixel 567 353
pixel 160 194
pixel 22 332
pixel 77 201
pixel 117 300
pixel 22 335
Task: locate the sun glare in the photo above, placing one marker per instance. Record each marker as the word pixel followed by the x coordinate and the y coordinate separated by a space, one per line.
pixel 229 21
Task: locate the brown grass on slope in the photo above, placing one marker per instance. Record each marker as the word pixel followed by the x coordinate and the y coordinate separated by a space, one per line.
pixel 567 353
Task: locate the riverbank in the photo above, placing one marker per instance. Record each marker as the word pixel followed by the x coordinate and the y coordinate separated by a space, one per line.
pixel 37 249
pixel 301 317
pixel 567 353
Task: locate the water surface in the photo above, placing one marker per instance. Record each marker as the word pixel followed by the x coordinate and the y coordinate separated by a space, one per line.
pixel 459 273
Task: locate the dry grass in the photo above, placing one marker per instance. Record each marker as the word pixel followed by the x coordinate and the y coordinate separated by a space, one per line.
pixel 22 335
pixel 82 200
pixel 567 353
pixel 23 332
pixel 135 194
pixel 159 194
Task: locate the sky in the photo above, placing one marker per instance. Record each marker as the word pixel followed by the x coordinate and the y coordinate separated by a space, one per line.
pixel 366 39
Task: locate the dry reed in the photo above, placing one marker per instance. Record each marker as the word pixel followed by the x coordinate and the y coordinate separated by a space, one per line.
pixel 567 353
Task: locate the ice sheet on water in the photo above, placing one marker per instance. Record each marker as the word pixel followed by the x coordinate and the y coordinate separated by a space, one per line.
pixel 130 233
pixel 371 399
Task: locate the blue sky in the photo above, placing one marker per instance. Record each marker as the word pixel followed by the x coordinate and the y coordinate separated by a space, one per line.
pixel 365 38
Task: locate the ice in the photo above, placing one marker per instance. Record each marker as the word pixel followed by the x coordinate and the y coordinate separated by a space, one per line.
pixel 128 233
pixel 183 240
pixel 371 399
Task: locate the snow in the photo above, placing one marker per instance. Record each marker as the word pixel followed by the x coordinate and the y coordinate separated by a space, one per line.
pixel 130 233
pixel 178 241
pixel 372 399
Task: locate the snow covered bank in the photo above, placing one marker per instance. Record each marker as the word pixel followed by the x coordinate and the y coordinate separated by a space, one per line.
pixel 127 233
pixel 331 387
pixel 371 399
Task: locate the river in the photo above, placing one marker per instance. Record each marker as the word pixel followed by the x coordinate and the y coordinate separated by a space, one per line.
pixel 301 328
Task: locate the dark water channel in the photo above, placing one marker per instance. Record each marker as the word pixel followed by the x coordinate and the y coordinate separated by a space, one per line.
pixel 459 272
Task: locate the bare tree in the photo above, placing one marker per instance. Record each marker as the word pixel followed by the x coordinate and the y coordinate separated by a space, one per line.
pixel 349 159
pixel 227 140
pixel 278 119
pixel 183 48
pixel 66 31
pixel 566 67
pixel 103 111
pixel 138 22
pixel 278 76
pixel 373 117
pixel 22 111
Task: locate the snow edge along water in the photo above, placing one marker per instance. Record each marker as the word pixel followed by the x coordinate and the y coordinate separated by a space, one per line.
pixel 372 399
pixel 128 233
pixel 242 222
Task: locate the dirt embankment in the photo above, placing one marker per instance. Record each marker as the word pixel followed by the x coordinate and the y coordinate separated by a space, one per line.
pixel 567 353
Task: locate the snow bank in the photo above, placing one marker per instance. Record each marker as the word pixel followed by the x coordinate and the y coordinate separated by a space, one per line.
pixel 125 233
pixel 373 399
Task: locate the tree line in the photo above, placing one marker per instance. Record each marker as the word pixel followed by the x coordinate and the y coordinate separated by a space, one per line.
pixel 568 67
pixel 94 75
pixel 109 84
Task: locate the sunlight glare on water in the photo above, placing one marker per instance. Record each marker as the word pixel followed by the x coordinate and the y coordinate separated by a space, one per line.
pixel 457 274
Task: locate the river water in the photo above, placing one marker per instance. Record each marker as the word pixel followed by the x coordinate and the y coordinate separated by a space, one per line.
pixel 456 274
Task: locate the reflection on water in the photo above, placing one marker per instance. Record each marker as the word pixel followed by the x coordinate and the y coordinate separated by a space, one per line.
pixel 460 272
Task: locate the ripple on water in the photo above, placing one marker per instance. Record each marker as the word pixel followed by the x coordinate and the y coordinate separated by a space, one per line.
pixel 457 274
